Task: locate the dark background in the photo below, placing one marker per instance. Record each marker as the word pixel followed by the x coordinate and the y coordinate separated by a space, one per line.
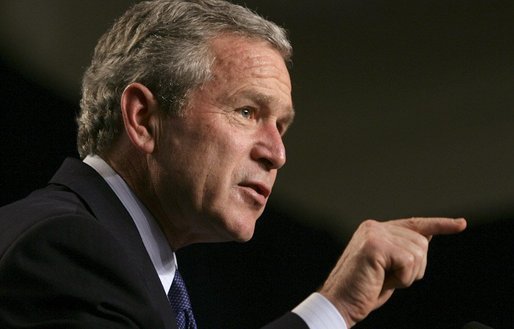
pixel 404 108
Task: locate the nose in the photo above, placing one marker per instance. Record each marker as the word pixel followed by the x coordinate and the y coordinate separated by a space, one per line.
pixel 269 149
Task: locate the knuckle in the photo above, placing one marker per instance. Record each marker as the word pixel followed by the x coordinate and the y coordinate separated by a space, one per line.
pixel 374 238
pixel 410 260
pixel 368 224
pixel 420 255
pixel 371 246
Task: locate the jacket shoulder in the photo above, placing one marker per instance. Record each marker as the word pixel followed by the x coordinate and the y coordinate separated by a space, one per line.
pixel 40 206
pixel 62 264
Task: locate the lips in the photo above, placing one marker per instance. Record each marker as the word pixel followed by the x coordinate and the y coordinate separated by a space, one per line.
pixel 259 188
pixel 261 191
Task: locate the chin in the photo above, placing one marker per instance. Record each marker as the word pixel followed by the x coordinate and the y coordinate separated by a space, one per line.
pixel 241 230
pixel 242 234
pixel 235 224
pixel 243 238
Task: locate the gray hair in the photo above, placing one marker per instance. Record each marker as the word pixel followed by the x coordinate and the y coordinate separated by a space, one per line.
pixel 163 44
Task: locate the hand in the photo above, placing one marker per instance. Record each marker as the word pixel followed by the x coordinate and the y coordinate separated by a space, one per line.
pixel 380 257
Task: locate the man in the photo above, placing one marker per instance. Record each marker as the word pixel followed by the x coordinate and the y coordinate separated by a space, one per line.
pixel 183 111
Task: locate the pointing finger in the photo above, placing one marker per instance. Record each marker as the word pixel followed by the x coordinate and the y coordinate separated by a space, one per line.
pixel 429 226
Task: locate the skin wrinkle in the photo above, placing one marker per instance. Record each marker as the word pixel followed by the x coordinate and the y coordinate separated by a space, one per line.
pixel 209 159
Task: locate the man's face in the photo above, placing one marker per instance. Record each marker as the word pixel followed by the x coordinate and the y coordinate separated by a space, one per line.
pixel 217 163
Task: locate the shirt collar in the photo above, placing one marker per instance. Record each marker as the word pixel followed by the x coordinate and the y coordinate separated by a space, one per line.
pixel 154 240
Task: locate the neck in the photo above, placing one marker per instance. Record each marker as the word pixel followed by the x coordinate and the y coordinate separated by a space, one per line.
pixel 135 170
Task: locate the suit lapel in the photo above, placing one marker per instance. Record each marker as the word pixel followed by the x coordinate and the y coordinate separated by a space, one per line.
pixel 110 212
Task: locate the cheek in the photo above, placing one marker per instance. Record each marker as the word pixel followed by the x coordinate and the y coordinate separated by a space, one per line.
pixel 226 151
pixel 212 155
pixel 226 166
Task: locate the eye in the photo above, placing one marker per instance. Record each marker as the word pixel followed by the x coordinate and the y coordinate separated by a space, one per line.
pixel 246 112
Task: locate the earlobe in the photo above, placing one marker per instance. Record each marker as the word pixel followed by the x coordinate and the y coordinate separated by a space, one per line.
pixel 139 109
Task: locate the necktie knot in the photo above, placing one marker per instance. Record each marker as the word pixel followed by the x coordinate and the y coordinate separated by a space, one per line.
pixel 180 303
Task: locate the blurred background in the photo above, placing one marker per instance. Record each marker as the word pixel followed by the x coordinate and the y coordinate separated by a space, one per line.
pixel 404 108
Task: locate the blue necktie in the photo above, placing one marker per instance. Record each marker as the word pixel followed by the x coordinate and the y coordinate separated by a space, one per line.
pixel 179 300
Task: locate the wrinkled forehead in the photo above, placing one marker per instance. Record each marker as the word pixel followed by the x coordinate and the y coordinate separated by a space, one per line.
pixel 239 55
pixel 246 72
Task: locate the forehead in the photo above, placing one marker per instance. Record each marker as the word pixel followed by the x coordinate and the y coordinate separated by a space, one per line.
pixel 240 54
pixel 251 67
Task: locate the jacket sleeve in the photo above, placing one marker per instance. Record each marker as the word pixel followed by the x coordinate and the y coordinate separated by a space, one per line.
pixel 288 321
pixel 69 272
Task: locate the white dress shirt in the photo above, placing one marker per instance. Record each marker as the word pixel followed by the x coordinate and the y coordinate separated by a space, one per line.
pixel 316 310
pixel 158 248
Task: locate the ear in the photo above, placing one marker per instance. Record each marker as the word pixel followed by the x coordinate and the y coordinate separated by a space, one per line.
pixel 140 112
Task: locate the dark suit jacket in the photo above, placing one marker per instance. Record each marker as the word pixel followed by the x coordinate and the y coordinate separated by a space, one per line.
pixel 71 257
